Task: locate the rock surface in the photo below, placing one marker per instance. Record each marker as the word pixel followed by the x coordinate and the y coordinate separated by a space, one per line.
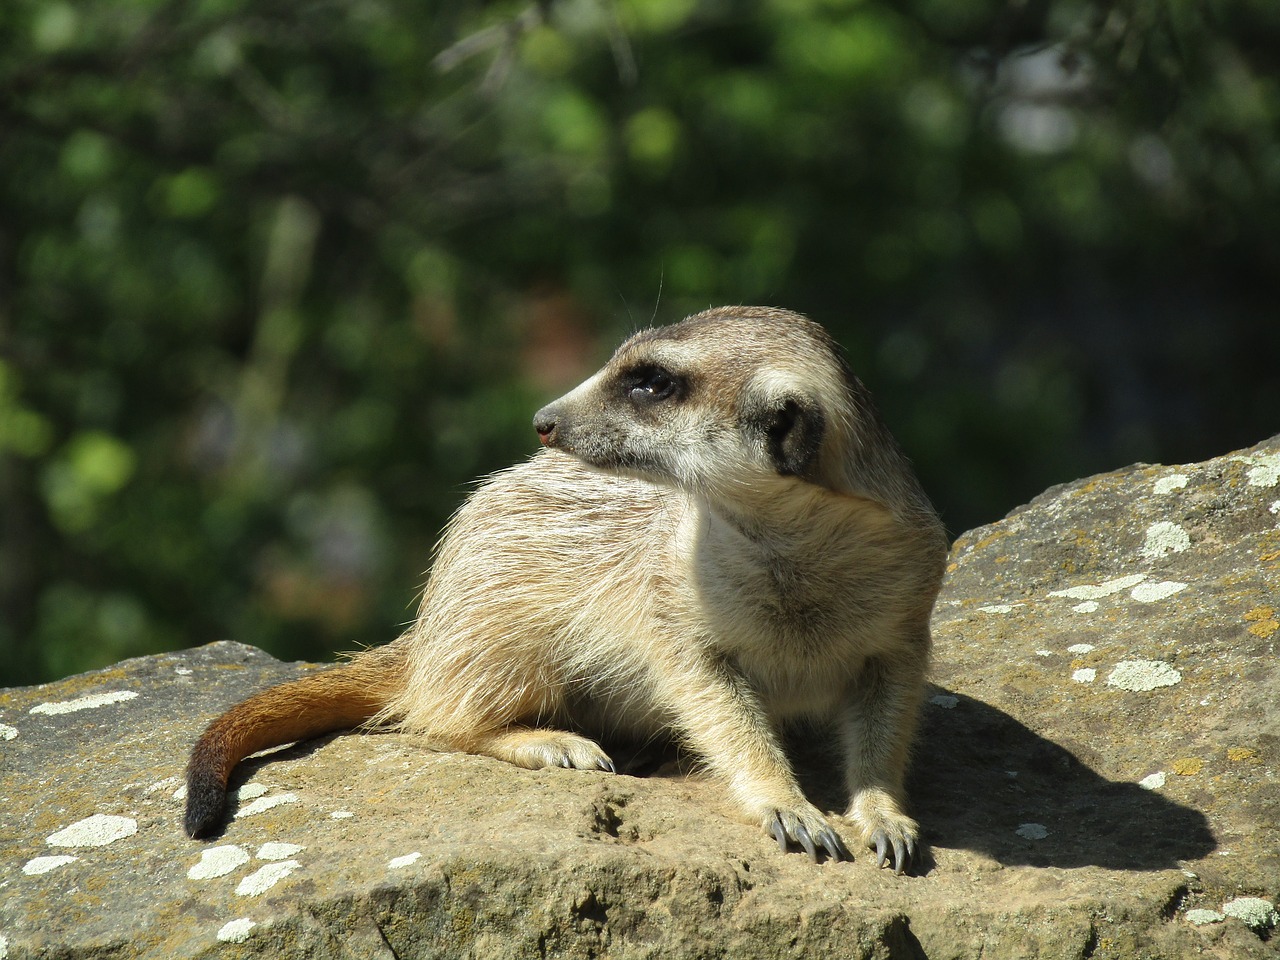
pixel 1096 773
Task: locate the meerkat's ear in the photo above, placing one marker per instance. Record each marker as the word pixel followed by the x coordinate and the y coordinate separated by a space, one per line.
pixel 791 428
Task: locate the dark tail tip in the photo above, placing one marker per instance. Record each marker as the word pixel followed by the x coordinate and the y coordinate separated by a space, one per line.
pixel 206 805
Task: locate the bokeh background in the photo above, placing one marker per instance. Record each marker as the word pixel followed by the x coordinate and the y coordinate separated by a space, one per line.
pixel 280 278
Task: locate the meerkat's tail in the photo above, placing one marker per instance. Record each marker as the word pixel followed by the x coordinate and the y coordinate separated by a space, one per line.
pixel 346 696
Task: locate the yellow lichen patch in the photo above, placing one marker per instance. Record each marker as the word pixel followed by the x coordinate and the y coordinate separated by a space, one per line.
pixel 463 921
pixel 952 567
pixel 1246 575
pixel 69 688
pixel 1244 755
pixel 1263 620
pixel 1268 557
pixel 1187 766
pixel 990 539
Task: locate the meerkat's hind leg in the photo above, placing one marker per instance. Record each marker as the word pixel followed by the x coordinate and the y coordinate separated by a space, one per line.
pixel 534 748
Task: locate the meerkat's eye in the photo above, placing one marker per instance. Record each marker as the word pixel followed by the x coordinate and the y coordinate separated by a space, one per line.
pixel 650 385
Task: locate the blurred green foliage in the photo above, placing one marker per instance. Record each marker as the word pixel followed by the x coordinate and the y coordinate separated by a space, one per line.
pixel 279 278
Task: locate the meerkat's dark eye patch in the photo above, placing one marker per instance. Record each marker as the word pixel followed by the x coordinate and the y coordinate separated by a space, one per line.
pixel 651 384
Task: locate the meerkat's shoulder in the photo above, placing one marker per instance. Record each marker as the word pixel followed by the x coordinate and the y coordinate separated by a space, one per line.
pixel 552 492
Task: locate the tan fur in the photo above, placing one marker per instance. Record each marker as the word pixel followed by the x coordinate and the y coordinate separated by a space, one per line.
pixel 750 550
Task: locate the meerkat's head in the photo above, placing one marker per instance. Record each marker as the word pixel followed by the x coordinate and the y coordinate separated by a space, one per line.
pixel 731 400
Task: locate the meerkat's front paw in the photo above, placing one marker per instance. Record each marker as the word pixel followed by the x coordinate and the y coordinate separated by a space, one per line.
pixel 904 849
pixel 891 833
pixel 807 829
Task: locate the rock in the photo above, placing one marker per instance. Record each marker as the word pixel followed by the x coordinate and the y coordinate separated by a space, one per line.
pixel 1096 775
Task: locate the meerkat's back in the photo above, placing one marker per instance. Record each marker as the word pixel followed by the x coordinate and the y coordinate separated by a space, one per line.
pixel 544 587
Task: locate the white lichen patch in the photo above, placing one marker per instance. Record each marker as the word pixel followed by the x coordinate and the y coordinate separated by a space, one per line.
pixel 95 831
pixel 237 931
pixel 1142 675
pixel 1089 606
pixel 4 947
pixel 7 732
pixel 944 700
pixel 999 608
pixel 1032 831
pixel 1164 538
pixel 341 815
pixel 265 803
pixel 183 671
pixel 264 878
pixel 1202 917
pixel 1259 914
pixel 1175 481
pixel 1153 782
pixel 164 784
pixel 1263 469
pixel 1098 591
pixel 90 702
pixel 1080 648
pixel 1151 592
pixel 251 790
pixel 409 859
pixel 218 862
pixel 279 851
pixel 1275 508
pixel 1085 675
pixel 1044 653
pixel 38 865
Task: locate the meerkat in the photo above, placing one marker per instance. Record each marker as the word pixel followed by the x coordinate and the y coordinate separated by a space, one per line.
pixel 719 539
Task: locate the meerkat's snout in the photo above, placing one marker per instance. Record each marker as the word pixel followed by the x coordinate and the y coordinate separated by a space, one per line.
pixel 544 421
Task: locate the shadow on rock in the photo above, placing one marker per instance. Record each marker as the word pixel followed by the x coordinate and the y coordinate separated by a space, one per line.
pixel 979 777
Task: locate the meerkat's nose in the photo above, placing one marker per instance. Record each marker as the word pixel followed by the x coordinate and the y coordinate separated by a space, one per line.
pixel 544 421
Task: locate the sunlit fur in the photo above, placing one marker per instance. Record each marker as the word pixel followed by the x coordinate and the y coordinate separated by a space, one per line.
pixel 752 551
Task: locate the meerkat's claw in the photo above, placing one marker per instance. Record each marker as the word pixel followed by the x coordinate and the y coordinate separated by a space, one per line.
pixel 779 832
pixel 806 841
pixel 904 851
pixel 834 846
pixel 822 840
